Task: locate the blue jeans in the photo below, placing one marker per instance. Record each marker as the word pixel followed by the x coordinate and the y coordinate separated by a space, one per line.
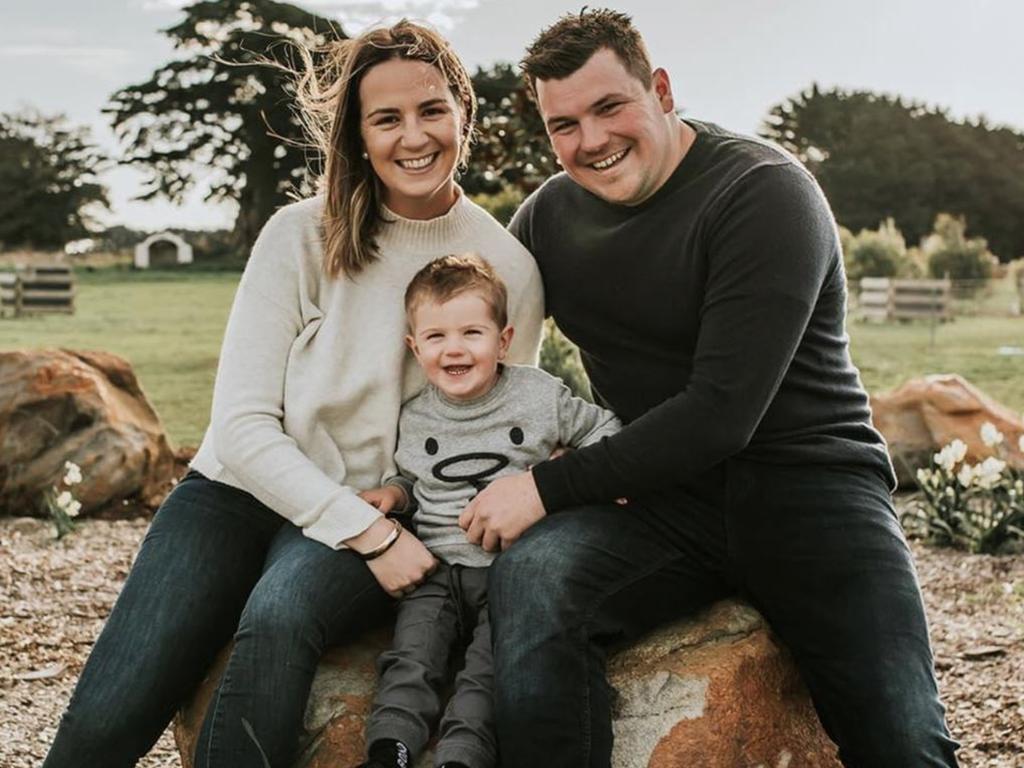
pixel 817 550
pixel 215 564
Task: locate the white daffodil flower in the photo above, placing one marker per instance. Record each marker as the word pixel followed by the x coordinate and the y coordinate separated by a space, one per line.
pixel 990 435
pixel 73 508
pixel 966 475
pixel 989 472
pixel 72 473
pixel 951 455
pixel 64 499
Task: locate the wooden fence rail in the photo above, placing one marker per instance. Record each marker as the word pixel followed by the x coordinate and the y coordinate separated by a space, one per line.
pixel 883 298
pixel 37 290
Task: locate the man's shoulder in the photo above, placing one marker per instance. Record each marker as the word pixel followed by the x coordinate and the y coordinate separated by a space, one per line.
pixel 555 191
pixel 741 149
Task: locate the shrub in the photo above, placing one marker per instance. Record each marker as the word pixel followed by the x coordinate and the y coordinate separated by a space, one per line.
pixel 978 507
pixel 951 254
pixel 561 358
pixel 878 252
pixel 501 205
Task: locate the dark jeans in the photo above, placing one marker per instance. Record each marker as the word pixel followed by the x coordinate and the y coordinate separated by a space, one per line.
pixel 215 564
pixel 817 550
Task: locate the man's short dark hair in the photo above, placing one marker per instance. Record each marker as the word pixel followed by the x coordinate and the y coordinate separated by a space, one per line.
pixel 565 46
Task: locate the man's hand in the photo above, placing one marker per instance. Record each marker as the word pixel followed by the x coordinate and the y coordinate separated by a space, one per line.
pixel 502 511
pixel 386 499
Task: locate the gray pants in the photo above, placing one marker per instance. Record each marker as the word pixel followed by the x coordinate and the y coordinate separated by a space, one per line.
pixel 431 622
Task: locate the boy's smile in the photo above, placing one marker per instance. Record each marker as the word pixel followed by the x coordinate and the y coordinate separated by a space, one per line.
pixel 458 344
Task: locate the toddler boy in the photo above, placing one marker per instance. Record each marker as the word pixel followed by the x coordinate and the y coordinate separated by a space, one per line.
pixel 476 420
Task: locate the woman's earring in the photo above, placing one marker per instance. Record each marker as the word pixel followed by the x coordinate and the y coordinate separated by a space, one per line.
pixel 366 155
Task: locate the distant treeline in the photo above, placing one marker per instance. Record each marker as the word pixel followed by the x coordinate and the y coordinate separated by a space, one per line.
pixel 218 113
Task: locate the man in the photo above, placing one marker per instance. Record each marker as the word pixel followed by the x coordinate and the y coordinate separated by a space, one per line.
pixel 701 276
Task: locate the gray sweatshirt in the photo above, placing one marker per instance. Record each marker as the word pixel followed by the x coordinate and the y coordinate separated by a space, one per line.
pixel 449 450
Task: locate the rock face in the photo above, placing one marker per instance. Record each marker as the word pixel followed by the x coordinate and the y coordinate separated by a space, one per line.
pixel 715 690
pixel 923 415
pixel 86 407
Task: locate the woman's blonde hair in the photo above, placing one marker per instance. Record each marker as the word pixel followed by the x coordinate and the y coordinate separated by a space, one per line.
pixel 328 96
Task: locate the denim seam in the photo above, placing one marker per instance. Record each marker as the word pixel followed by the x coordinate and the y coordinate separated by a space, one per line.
pixel 214 720
pixel 587 620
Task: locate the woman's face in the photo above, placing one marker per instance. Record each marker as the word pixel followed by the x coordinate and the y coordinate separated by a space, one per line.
pixel 412 128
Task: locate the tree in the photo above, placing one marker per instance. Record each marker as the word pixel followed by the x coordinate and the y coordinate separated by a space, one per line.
pixel 224 107
pixel 951 254
pixel 879 157
pixel 512 149
pixel 48 181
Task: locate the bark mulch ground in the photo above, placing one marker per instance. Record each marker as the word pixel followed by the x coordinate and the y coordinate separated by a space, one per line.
pixel 54 596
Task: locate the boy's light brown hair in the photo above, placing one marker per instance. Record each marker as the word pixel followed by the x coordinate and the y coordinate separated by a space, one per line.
pixel 565 46
pixel 449 276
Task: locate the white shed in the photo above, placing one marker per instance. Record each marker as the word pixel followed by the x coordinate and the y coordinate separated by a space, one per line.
pixel 183 249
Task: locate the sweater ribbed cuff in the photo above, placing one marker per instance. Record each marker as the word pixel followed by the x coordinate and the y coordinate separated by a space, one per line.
pixel 552 480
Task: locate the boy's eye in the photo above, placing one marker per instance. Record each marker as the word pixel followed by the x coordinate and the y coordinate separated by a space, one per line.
pixel 473 332
pixel 434 336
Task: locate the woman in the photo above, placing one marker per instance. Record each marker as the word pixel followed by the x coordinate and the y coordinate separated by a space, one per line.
pixel 262 540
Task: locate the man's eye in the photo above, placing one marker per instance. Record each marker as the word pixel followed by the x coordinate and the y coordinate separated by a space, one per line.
pixel 606 108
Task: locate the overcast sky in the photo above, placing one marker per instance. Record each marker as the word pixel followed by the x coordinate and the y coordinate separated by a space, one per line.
pixel 730 60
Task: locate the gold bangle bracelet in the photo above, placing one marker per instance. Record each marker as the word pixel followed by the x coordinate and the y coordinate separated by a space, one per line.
pixel 384 546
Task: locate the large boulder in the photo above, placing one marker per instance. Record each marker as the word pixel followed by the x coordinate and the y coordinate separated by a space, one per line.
pixel 84 407
pixel 925 414
pixel 715 690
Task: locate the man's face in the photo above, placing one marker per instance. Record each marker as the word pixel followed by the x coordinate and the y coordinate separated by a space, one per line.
pixel 610 133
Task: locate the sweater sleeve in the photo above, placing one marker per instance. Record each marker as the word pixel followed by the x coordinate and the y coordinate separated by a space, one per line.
pixel 248 396
pixel 581 423
pixel 771 241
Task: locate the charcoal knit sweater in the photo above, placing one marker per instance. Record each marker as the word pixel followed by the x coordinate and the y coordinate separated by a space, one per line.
pixel 710 319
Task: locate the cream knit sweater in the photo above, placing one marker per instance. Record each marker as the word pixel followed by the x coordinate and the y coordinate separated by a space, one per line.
pixel 313 371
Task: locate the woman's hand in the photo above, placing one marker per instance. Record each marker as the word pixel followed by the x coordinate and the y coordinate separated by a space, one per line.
pixel 390 498
pixel 404 566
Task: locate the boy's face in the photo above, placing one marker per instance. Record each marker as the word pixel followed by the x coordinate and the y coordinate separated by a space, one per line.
pixel 458 345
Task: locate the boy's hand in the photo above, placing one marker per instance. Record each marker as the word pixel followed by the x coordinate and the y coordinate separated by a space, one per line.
pixel 502 511
pixel 386 499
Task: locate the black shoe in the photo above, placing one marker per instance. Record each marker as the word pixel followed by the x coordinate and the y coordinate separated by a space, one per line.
pixel 387 753
pixel 454 765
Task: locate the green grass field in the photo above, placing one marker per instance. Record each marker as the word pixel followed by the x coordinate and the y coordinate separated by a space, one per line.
pixel 169 325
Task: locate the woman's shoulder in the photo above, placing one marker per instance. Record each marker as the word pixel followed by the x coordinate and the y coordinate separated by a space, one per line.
pixel 491 237
pixel 300 215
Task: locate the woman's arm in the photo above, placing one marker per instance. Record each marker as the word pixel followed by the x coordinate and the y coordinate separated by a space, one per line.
pixel 248 400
